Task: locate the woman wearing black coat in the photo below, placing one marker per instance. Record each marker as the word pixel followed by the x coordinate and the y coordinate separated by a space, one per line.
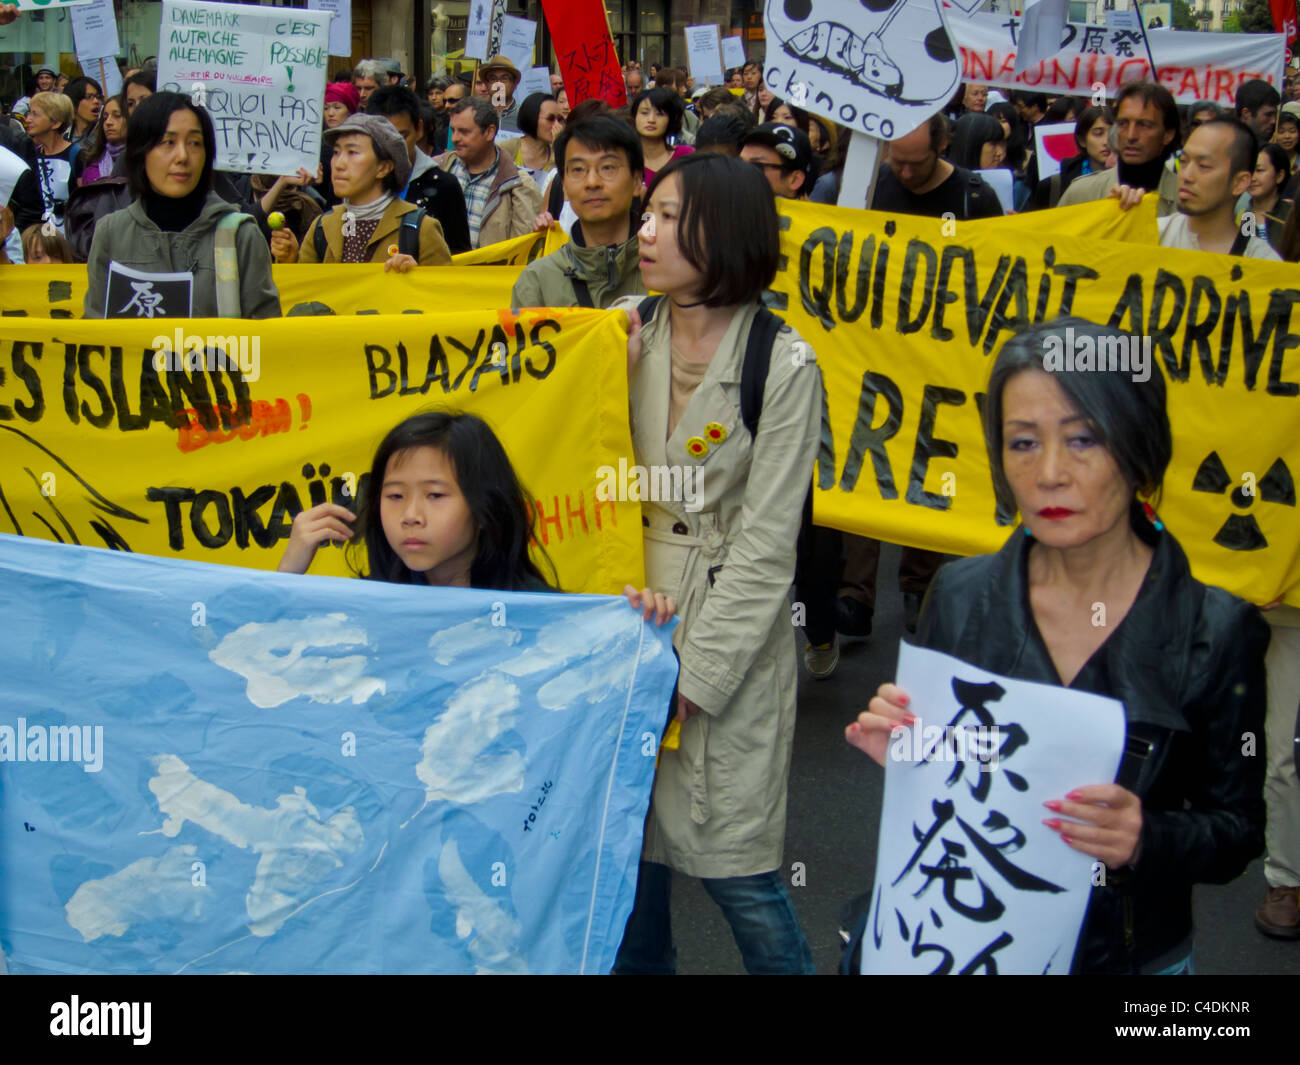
pixel 1075 451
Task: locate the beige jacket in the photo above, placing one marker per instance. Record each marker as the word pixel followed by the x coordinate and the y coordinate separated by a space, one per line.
pixel 1098 186
pixel 719 800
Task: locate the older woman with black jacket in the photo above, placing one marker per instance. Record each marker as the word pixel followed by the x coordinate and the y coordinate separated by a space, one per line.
pixel 1075 451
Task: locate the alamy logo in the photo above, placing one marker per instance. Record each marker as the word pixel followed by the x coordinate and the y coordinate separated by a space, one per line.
pixel 1110 354
pixel 102 1018
pixel 185 352
pixel 657 484
pixel 53 743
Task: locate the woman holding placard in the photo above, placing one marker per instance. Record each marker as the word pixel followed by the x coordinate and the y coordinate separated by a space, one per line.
pixel 1092 593
pixel 172 232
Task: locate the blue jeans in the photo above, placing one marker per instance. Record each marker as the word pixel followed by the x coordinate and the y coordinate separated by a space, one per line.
pixel 758 908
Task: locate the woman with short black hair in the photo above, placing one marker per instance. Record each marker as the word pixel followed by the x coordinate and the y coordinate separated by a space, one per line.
pixel 540 123
pixel 723 549
pixel 657 115
pixel 978 142
pixel 1082 455
pixel 173 221
pixel 87 101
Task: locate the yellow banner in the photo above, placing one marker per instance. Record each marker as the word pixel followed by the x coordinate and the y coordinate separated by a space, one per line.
pixel 905 320
pixel 212 461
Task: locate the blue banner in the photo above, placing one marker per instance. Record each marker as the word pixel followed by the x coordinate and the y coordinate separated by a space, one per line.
pixel 205 769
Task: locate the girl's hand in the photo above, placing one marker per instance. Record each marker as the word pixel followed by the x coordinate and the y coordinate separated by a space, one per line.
pixel 651 604
pixel 284 246
pixel 1107 825
pixel 874 728
pixel 686 709
pixel 633 339
pixel 543 221
pixel 399 262
pixel 311 528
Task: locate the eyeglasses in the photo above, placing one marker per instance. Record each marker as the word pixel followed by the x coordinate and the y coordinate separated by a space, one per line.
pixel 766 166
pixel 608 171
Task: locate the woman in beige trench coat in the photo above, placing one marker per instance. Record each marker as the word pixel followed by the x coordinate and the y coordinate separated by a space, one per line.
pixel 724 548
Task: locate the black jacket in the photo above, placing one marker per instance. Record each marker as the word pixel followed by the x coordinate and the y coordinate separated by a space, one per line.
pixel 1049 190
pixel 1187 661
pixel 438 192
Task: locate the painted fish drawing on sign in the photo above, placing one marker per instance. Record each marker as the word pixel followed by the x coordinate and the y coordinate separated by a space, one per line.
pixel 898 49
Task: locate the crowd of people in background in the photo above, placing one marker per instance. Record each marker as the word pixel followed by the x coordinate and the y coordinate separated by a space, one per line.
pixel 673 193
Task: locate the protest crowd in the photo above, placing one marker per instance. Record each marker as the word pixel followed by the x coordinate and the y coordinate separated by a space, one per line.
pixel 668 211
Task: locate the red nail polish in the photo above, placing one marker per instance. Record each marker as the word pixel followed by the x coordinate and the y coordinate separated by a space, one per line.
pixel 1073 794
pixel 903 700
pixel 1053 824
pixel 909 718
pixel 1066 838
pixel 1053 804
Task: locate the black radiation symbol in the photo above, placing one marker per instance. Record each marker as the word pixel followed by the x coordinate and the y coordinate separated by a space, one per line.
pixel 1241 532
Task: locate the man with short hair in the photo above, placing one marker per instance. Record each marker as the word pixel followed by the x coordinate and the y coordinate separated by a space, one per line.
pixel 1033 107
pixel 428 186
pixel 785 156
pixel 1256 105
pixel 45 78
pixel 722 132
pixel 500 200
pixel 557 83
pixel 918 180
pixel 1201 112
pixel 1148 131
pixel 600 164
pixel 392 71
pixel 633 80
pixel 734 79
pixel 1216 168
pixel 367 77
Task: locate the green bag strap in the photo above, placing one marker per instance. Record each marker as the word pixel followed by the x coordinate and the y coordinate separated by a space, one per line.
pixel 227 265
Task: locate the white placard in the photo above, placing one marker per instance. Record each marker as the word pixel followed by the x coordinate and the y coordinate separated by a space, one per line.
pixel 12 166
pixel 1049 164
pixel 703 54
pixel 999 181
pixel 340 24
pixel 1041 28
pixel 733 52
pixel 968 878
pixel 261 74
pixel 518 38
pixel 94 31
pixel 536 79
pixel 1123 20
pixel 477 27
pixel 106 72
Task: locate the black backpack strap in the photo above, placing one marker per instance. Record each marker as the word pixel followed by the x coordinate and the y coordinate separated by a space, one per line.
pixel 583 291
pixel 753 374
pixel 408 237
pixel 646 308
pixel 318 239
pixel 1239 244
pixel 555 201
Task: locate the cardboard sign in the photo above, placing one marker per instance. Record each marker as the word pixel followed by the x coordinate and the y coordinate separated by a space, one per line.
pixel 518 38
pixel 340 24
pixel 139 294
pixel 1054 143
pixel 733 53
pixel 260 72
pixel 702 54
pixel 94 30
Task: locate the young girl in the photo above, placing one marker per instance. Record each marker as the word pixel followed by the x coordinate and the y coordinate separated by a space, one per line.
pixel 443 506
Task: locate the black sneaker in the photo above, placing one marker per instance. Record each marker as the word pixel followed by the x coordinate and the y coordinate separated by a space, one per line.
pixel 852 618
pixel 911 611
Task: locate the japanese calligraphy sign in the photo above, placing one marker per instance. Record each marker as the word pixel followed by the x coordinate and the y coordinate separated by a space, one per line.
pixel 139 294
pixel 260 72
pixel 1193 66
pixel 585 51
pixel 968 879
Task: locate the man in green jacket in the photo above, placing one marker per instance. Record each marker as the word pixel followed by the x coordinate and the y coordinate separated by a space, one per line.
pixel 600 164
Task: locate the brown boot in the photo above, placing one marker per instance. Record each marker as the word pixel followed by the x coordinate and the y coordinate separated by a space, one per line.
pixel 1279 914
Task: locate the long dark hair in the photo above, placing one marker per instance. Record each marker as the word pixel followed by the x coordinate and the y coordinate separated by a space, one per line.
pixel 1018 139
pixel 148 125
pixel 97 145
pixel 496 500
pixel 970 133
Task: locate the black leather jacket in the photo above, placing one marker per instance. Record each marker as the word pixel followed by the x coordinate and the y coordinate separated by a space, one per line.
pixel 1187 661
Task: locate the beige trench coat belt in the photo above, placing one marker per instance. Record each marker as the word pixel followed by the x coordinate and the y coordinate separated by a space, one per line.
pixel 709 548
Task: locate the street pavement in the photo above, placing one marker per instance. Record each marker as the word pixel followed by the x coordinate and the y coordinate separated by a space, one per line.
pixel 834 816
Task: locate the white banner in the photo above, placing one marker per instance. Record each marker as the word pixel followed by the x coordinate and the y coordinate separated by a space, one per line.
pixel 518 38
pixel 260 72
pixel 968 878
pixel 1193 66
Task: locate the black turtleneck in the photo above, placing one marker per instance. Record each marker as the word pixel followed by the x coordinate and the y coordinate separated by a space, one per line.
pixel 172 213
pixel 1143 175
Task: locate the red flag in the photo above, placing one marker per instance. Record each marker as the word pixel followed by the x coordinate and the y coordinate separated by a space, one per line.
pixel 585 50
pixel 1284 18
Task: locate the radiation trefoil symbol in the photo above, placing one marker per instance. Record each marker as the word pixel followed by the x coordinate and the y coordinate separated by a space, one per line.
pixel 1241 532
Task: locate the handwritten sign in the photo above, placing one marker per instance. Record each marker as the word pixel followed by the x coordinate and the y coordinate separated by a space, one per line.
pixel 340 24
pixel 477 29
pixel 968 879
pixel 141 294
pixel 702 54
pixel 260 72
pixel 585 51
pixel 733 52
pixel 518 35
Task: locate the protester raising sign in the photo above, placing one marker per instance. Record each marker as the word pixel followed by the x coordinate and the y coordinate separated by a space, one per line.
pixel 585 51
pixel 1193 66
pixel 260 72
